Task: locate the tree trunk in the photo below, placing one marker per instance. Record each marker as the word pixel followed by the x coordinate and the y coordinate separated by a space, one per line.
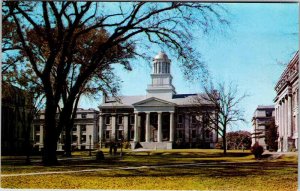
pixel 68 143
pixel 65 123
pixel 69 113
pixel 224 144
pixel 50 135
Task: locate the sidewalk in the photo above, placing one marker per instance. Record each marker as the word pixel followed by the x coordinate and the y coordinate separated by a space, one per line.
pixel 126 168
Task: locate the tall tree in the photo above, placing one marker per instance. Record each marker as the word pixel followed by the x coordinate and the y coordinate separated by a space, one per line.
pixel 65 30
pixel 225 100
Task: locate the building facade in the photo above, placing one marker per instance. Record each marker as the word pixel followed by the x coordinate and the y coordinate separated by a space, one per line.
pixel 160 119
pixel 286 106
pixel 263 116
pixel 16 127
pixel 84 132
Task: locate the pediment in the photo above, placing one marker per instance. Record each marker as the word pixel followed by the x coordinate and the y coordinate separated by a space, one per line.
pixel 154 102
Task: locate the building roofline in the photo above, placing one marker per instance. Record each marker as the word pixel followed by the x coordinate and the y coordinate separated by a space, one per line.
pixel 291 62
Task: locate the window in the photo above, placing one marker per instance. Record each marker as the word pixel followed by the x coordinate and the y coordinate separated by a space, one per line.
pixel 194 119
pixel 107 134
pixel 74 128
pixel 83 138
pixel 83 116
pixel 119 135
pixel 37 116
pixel 180 119
pixel 268 113
pixel 131 134
pixel 83 127
pixel 180 134
pixel 37 138
pixel 131 119
pixel 193 134
pixel 120 120
pixel 107 120
pixel 37 128
pixel 74 138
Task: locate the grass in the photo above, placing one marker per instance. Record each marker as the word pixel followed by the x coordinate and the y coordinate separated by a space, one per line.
pixel 242 173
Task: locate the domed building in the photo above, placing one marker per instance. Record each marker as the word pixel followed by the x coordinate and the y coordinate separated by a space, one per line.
pixel 159 119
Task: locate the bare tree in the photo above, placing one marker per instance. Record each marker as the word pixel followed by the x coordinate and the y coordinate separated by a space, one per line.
pixel 226 102
pixel 54 37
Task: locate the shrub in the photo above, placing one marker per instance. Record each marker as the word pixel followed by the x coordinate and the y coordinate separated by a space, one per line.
pixel 126 145
pixel 257 150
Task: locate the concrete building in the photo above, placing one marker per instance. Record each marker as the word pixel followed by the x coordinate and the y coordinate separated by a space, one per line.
pixel 84 132
pixel 160 119
pixel 262 118
pixel 286 106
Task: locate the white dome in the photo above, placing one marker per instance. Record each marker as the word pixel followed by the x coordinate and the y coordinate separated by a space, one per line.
pixel 161 56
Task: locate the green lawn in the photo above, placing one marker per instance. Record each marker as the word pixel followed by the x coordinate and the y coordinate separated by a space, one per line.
pixel 236 171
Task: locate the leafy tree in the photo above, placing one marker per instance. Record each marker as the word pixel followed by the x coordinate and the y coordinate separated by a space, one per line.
pixel 225 100
pixel 271 135
pixel 238 140
pixel 71 46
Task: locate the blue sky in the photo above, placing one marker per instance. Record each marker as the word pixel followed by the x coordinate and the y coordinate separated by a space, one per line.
pixel 249 53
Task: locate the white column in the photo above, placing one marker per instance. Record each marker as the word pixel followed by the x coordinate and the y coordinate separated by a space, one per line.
pixel 289 113
pixel 125 127
pixel 100 130
pixel 285 140
pixel 284 117
pixel 78 136
pixel 135 139
pixel 113 127
pixel 159 133
pixel 41 135
pixel 280 119
pixel 171 126
pixel 147 136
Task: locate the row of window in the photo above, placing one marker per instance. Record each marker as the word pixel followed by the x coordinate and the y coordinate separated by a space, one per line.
pixel 74 138
pixel 153 119
pixel 83 116
pixel 180 134
pixel 119 135
pixel 82 128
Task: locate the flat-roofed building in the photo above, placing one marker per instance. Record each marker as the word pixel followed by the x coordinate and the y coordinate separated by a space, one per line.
pixel 262 119
pixel 85 127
